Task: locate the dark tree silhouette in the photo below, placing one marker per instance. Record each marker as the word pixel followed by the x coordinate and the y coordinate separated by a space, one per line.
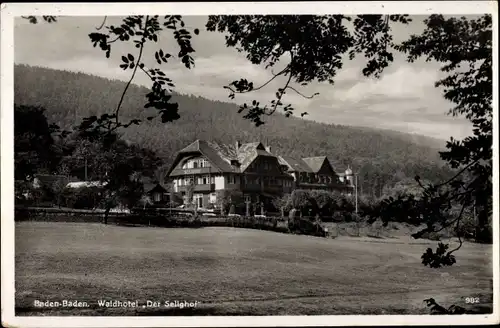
pixel 34 142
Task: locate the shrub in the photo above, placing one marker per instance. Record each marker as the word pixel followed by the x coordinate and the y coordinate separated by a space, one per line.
pixel 81 198
pixel 305 226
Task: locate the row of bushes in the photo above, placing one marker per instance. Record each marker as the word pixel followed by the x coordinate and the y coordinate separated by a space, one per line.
pixel 296 225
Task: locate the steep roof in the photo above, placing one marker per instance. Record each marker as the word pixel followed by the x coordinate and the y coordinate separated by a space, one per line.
pixel 248 152
pixel 315 163
pixel 49 179
pixel 149 187
pixel 295 165
pixel 222 155
pixel 213 152
pixel 85 184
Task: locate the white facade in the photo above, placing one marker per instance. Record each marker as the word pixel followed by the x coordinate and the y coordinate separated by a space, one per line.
pixel 212 198
pixel 220 183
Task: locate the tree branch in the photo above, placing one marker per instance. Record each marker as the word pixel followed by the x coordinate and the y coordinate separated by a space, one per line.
pixel 281 93
pixel 102 25
pixel 133 75
pixel 458 230
pixel 112 41
pixel 300 94
pixel 263 85
pixel 459 173
pixel 146 72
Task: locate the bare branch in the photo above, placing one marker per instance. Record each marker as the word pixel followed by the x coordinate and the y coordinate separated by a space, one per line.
pixel 102 25
pixel 133 75
pixel 146 72
pixel 458 174
pixel 112 41
pixel 300 94
pixel 282 91
pixel 263 85
pixel 458 230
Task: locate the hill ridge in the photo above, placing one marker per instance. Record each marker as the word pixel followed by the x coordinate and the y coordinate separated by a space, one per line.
pixel 378 155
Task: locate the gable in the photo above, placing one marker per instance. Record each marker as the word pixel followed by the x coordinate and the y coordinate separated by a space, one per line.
pixel 326 168
pixel 264 165
pixel 260 146
pixel 315 163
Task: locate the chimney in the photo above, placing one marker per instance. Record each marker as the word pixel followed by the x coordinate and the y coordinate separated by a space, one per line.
pixel 237 144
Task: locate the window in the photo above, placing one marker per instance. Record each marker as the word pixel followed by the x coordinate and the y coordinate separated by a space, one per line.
pixel 266 165
pixel 157 197
pixel 231 179
pixel 195 165
pixel 212 180
pixel 205 179
pixel 248 198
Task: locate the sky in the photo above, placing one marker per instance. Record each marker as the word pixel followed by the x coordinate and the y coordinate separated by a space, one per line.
pixel 404 98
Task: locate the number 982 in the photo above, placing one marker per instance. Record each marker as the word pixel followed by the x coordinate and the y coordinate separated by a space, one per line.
pixel 472 300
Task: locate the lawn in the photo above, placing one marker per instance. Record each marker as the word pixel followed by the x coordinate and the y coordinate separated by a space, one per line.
pixel 232 271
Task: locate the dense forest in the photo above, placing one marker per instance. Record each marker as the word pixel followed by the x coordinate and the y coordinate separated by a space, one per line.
pixel 381 157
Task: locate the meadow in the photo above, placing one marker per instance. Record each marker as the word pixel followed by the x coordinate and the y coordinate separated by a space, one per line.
pixel 234 271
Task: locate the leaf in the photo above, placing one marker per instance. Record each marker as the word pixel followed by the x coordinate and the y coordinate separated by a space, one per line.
pixel 196 31
pixel 124 59
pixel 130 57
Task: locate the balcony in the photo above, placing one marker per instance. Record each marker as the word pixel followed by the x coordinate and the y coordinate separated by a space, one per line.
pixel 200 170
pixel 260 188
pixel 199 188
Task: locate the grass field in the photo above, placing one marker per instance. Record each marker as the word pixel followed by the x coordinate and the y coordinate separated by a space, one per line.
pixel 234 271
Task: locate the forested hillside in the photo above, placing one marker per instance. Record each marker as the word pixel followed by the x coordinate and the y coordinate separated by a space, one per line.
pixel 381 157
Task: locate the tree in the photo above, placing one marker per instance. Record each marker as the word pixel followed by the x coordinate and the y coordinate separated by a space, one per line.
pixel 282 203
pixel 145 200
pixel 226 198
pixel 33 142
pixel 464 47
pixel 189 193
pixel 404 186
pixel 58 187
pixel 325 201
pixel 271 39
pixel 118 166
pixel 300 200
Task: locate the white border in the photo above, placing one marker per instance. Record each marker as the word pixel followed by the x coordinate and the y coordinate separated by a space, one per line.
pixel 9 11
